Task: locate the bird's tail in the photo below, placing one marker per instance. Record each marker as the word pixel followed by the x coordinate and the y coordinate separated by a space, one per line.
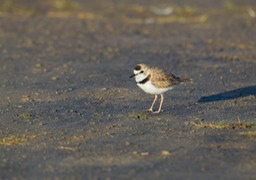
pixel 185 80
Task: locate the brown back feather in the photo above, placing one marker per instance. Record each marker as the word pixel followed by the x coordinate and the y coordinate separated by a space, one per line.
pixel 163 80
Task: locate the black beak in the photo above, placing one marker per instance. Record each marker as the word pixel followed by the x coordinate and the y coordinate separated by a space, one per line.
pixel 133 75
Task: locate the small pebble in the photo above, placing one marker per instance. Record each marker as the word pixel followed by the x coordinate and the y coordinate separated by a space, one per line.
pixel 127 143
pixel 165 153
pixel 134 152
pixel 144 153
pixel 54 78
pixel 38 65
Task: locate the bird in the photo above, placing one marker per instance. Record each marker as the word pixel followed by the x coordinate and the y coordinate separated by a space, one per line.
pixel 155 81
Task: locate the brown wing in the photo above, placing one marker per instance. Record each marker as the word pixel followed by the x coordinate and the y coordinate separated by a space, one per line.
pixel 163 80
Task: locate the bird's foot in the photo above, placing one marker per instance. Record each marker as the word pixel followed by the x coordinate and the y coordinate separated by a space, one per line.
pixel 154 112
pixel 150 110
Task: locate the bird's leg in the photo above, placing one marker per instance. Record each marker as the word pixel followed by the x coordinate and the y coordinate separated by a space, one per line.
pixel 151 108
pixel 160 106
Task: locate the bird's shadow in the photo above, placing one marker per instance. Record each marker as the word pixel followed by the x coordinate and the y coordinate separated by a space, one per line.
pixel 228 95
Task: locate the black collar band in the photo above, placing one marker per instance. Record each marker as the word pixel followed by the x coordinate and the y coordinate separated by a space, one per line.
pixel 145 80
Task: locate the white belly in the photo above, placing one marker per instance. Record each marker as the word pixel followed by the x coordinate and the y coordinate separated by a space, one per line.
pixel 150 89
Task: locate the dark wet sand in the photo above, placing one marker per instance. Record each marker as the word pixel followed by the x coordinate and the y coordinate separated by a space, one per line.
pixel 68 109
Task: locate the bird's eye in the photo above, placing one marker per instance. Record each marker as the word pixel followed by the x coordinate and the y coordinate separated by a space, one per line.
pixel 141 71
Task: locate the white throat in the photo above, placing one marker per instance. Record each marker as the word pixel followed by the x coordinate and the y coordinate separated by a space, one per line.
pixel 140 76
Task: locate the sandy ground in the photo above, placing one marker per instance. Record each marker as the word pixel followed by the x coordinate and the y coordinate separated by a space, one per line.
pixel 69 110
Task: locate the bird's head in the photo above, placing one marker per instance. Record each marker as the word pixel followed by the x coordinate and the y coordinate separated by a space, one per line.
pixel 140 71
